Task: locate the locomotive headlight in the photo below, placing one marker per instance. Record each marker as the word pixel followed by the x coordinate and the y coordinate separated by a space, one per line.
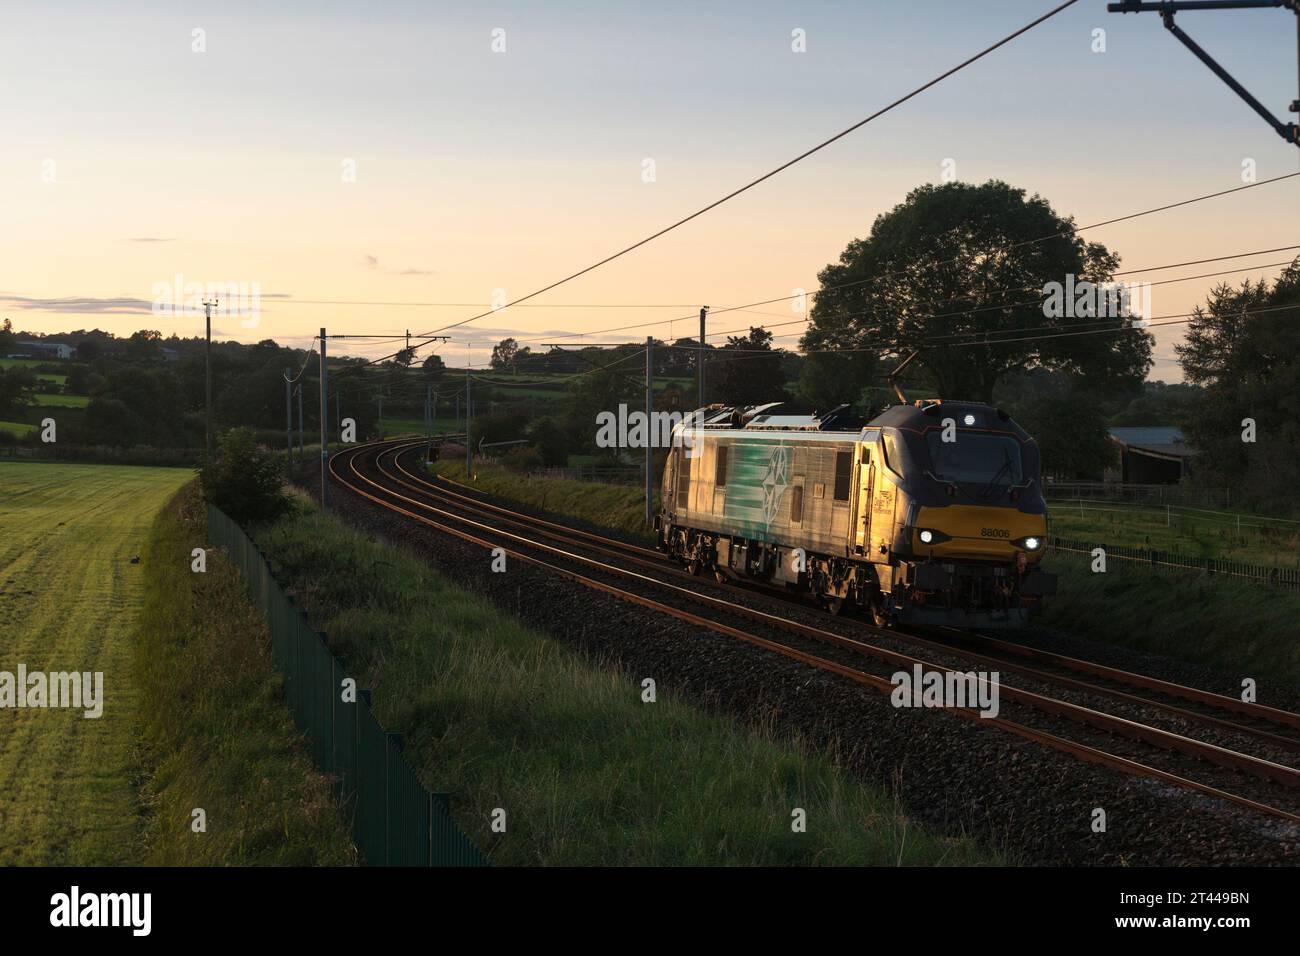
pixel 930 536
pixel 1030 543
pixel 968 420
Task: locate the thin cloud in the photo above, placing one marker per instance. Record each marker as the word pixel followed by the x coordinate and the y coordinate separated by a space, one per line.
pixel 92 305
pixel 80 304
pixel 152 239
pixel 372 262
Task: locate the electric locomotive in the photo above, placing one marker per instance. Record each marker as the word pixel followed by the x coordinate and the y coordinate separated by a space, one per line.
pixel 931 513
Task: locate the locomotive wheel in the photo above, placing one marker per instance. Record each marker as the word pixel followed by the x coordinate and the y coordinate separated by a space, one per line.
pixel 879 617
pixel 695 566
pixel 719 576
pixel 835 605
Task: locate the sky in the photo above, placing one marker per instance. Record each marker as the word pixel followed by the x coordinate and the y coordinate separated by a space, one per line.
pixel 327 154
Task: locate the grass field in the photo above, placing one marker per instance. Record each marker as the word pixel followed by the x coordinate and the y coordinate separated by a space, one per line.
pixel 69 597
pixel 46 400
pixel 500 716
pixel 1202 534
pixel 56 378
pixel 18 429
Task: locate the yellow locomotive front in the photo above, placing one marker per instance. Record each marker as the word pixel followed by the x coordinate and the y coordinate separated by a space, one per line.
pixel 953 516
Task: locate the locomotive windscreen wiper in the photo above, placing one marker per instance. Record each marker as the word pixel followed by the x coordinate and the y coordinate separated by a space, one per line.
pixel 943 481
pixel 1007 463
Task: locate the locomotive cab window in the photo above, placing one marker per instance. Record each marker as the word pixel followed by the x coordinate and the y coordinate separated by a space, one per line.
pixel 976 458
pixel 720 467
pixel 893 458
pixel 843 474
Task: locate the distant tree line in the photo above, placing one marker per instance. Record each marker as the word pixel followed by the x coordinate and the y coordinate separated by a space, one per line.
pixel 955 274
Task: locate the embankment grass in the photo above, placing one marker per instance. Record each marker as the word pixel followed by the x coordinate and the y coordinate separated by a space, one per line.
pixel 621 507
pixel 502 717
pixel 1243 628
pixel 215 731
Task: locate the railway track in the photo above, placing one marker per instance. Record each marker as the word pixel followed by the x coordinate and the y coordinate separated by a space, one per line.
pixel 1278 728
pixel 386 474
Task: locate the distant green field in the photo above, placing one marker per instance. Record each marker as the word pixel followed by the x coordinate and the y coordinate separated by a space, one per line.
pixel 19 429
pixel 69 596
pixel 1200 534
pixel 46 400
pixel 55 378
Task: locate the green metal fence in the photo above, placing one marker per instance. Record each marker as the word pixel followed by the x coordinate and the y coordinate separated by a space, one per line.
pixel 395 820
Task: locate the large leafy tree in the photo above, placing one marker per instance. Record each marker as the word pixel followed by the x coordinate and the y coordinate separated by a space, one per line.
pixel 17 386
pixel 253 398
pixel 748 370
pixel 957 271
pixel 144 346
pixel 432 368
pixel 137 404
pixel 829 379
pixel 1068 423
pixel 601 390
pixel 1243 348
pixel 108 421
pixel 507 353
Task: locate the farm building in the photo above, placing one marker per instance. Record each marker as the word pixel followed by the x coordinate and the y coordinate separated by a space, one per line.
pixel 1152 456
pixel 45 350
